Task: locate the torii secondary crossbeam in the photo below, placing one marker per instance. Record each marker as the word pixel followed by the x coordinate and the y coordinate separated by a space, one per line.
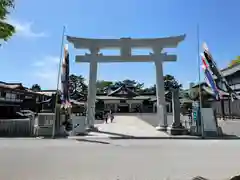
pixel 126 45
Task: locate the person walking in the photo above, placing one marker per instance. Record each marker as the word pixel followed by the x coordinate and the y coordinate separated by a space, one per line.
pixel 111 116
pixel 105 117
pixel 190 116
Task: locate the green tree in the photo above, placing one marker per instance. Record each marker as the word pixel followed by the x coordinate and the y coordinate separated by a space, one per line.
pixel 6 29
pixel 151 89
pixel 235 61
pixel 194 93
pixel 36 87
pixel 78 89
pixel 136 86
pixel 171 83
pixel 103 85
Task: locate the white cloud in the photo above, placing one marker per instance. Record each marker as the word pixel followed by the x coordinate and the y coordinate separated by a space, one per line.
pixel 46 71
pixel 25 29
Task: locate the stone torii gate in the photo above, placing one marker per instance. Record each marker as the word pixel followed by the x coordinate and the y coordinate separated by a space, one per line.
pixel 125 45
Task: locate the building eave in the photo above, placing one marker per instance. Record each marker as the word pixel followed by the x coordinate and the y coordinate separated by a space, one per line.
pixel 123 98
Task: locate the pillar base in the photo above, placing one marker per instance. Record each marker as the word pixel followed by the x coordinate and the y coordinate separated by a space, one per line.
pixel 92 128
pixel 177 129
pixel 161 128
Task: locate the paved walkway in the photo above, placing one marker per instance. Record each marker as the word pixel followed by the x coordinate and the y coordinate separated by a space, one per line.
pixel 142 126
pixel 131 126
pixel 126 125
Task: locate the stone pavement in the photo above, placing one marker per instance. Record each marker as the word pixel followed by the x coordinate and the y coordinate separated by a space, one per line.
pixel 142 126
pixel 131 126
pixel 230 127
pixel 118 159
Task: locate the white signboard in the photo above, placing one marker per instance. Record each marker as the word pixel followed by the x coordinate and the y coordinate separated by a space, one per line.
pixel 78 123
pixel 209 121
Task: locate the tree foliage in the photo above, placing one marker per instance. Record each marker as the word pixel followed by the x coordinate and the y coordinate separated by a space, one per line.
pixel 151 89
pixel 194 94
pixel 6 29
pixel 136 86
pixel 103 85
pixel 36 87
pixel 171 83
pixel 78 88
pixel 235 61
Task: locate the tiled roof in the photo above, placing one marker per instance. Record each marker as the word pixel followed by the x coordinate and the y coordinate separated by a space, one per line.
pixel 229 70
pixel 123 89
pixel 11 85
pixel 17 87
pixel 226 72
pixel 46 93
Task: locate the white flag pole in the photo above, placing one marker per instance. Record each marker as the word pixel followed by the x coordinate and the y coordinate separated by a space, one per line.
pixel 58 79
pixel 199 81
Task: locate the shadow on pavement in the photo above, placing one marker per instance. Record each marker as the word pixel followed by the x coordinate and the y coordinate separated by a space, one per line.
pixel 115 134
pixel 99 121
pixel 92 141
pixel 124 136
pixel 178 137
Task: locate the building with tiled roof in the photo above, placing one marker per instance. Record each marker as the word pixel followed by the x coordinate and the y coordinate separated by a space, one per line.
pixel 232 75
pixel 15 97
pixel 125 99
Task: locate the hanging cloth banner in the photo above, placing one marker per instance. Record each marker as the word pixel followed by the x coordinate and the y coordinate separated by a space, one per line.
pixel 212 68
pixel 209 78
pixel 65 79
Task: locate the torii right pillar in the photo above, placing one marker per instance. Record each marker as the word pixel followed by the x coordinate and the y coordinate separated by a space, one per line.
pixel 176 127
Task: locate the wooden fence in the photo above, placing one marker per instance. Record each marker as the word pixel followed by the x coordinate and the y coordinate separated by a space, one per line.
pixel 16 127
pixel 233 111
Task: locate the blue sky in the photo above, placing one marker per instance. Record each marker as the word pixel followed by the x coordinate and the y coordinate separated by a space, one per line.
pixel 31 56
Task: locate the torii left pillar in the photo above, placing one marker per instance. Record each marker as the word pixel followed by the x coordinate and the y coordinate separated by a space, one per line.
pixel 160 93
pixel 90 118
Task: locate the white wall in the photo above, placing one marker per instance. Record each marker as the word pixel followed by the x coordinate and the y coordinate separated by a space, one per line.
pixel 134 101
pixel 9 97
pixel 111 101
pixel 118 101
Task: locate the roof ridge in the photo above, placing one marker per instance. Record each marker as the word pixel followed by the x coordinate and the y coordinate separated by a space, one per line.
pixel 121 87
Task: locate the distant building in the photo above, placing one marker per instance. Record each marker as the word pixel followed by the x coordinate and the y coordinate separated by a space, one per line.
pixel 15 97
pixel 191 84
pixel 124 99
pixel 232 75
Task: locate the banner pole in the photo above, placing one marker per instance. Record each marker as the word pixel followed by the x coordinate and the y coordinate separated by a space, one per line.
pixel 199 81
pixel 58 78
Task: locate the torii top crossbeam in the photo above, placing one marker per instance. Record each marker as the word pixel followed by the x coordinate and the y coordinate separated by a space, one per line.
pixel 125 45
pixel 87 43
